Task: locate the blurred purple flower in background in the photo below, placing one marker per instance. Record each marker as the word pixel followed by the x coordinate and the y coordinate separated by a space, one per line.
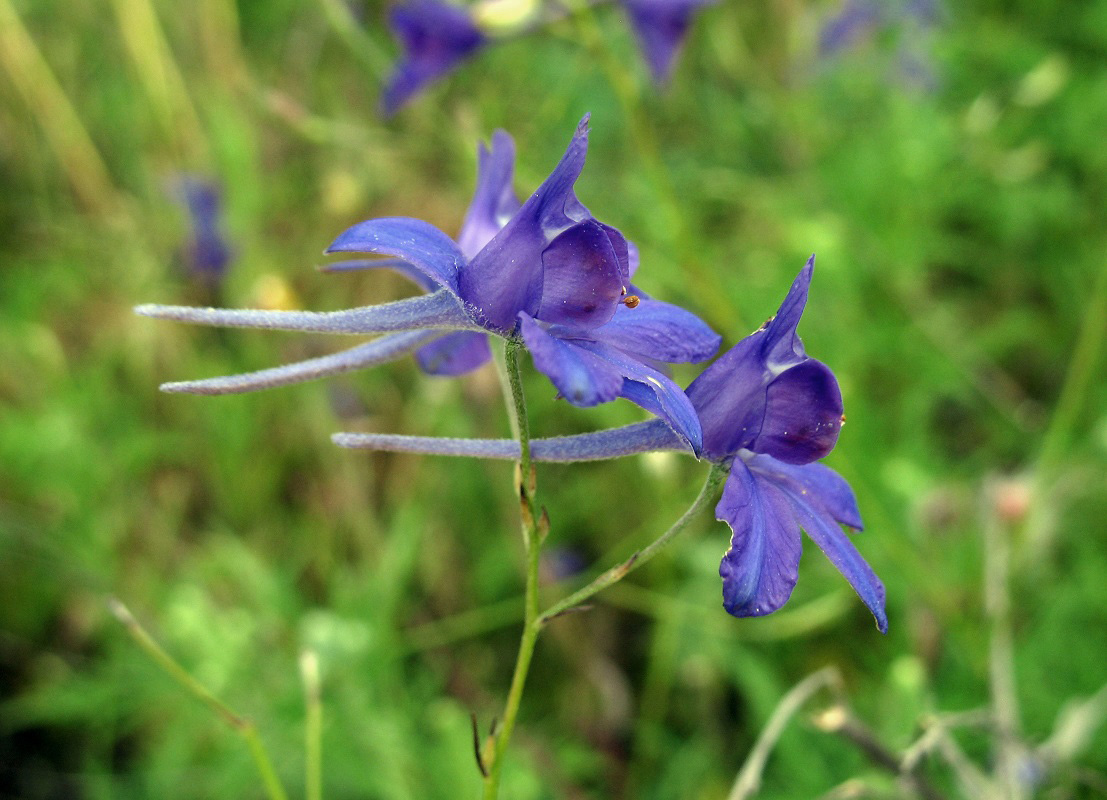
pixel 660 27
pixel 854 20
pixel 206 252
pixel 553 276
pixel 910 22
pixel 436 37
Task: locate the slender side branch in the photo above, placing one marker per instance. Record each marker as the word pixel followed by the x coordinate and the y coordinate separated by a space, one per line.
pixel 749 777
pixel 245 728
pixel 714 479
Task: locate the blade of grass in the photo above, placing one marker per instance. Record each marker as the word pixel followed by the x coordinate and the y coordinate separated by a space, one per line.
pixel 33 78
pixel 243 726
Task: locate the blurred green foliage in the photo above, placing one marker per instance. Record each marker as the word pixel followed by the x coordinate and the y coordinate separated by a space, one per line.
pixel 959 295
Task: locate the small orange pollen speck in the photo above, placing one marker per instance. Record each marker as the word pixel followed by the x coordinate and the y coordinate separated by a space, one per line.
pixel 631 301
pixel 843 420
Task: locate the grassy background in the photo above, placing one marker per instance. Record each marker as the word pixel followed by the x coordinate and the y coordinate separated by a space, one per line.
pixel 959 295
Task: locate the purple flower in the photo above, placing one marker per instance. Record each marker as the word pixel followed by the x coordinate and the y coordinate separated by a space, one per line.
pixel 206 250
pixel 436 38
pixel 773 410
pixel 660 27
pixel 552 275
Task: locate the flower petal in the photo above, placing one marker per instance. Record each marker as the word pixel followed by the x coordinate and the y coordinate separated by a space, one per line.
pixel 761 567
pixel 454 354
pixel 819 500
pixel 782 346
pixel 419 243
pixel 653 391
pixel 729 397
pixel 581 377
pixel 505 277
pixel 823 487
pixel 803 414
pixel 844 555
pixel 416 276
pixel 582 279
pixel 436 37
pixel 438 311
pixel 733 395
pixel 494 201
pixel 379 351
pixel 660 332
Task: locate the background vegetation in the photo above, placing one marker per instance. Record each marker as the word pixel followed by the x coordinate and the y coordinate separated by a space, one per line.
pixel 950 175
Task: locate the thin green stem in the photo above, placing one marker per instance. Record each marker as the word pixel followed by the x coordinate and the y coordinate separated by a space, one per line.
pixel 534 527
pixel 519 411
pixel 245 728
pixel 1081 371
pixel 361 45
pixel 313 726
pixel 714 479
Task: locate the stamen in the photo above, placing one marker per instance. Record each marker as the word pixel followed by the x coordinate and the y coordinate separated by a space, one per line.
pixel 843 420
pixel 631 301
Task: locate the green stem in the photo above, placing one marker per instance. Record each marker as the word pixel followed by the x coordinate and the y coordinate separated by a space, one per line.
pixel 533 530
pixel 1075 390
pixel 714 479
pixel 313 726
pixel 1081 371
pixel 245 728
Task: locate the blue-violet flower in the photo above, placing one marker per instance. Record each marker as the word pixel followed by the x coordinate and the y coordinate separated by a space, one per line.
pixel 206 251
pixel 553 276
pixel 773 410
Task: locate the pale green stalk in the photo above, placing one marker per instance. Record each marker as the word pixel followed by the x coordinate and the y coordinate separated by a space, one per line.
pixel 532 544
pixel 160 76
pixel 361 45
pixel 313 726
pixel 245 727
pixel 534 528
pixel 35 81
pixel 748 782
pixel 1079 375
